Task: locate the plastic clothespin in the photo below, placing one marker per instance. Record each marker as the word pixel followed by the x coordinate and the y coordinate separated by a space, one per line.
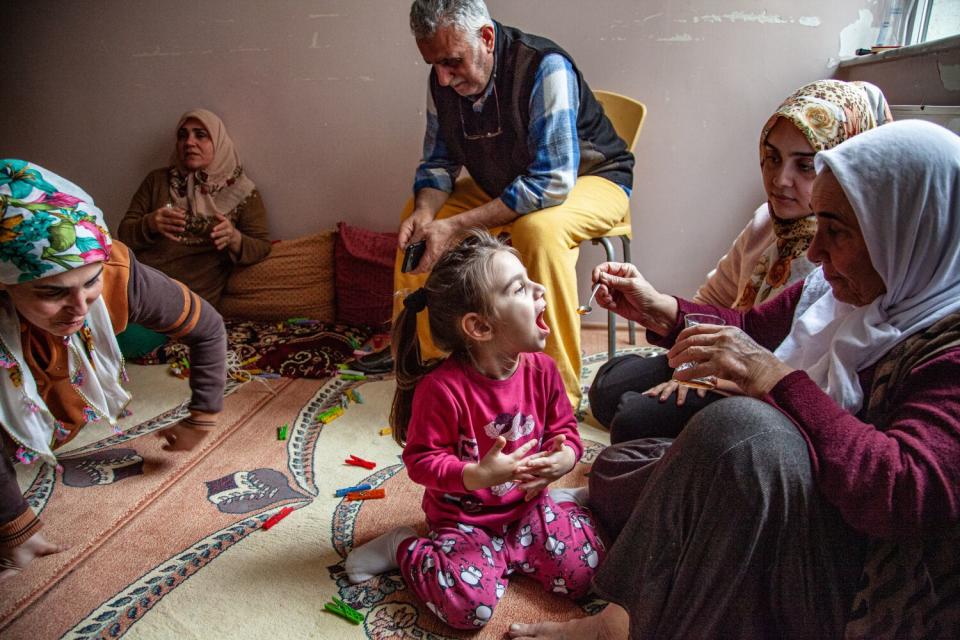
pixel 360 462
pixel 360 487
pixel 282 432
pixel 370 494
pixel 330 415
pixel 277 517
pixel 345 611
pixel 352 376
pixel 344 401
pixel 386 431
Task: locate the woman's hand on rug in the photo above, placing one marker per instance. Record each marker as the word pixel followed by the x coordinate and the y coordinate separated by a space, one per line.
pixel 540 469
pixel 15 560
pixel 186 434
pixel 495 467
pixel 665 389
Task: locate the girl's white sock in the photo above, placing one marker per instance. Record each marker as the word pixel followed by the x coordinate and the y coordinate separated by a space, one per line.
pixel 377 556
pixel 580 495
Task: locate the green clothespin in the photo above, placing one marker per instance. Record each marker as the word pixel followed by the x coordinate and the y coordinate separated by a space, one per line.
pixel 282 432
pixel 345 611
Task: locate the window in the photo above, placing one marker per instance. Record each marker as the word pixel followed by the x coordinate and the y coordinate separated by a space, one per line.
pixel 932 20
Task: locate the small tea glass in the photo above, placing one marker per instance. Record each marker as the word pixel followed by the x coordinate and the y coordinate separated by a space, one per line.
pixel 706 382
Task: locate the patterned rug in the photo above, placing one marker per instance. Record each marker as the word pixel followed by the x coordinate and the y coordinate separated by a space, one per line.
pixel 171 545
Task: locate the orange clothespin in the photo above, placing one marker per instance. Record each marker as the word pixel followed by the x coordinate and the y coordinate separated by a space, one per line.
pixel 360 462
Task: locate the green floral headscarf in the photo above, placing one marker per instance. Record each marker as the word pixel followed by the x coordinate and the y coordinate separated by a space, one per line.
pixel 48 224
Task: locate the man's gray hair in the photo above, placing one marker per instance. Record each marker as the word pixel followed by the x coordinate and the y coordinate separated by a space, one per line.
pixel 469 16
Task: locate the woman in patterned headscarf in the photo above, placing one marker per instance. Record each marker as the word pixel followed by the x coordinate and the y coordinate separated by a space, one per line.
pixel 197 218
pixel 823 502
pixel 66 290
pixel 629 394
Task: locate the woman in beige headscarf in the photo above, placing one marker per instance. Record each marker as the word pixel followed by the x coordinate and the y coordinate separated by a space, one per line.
pixel 630 394
pixel 197 218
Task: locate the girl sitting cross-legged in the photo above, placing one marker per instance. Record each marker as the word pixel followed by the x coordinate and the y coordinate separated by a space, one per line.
pixel 484 431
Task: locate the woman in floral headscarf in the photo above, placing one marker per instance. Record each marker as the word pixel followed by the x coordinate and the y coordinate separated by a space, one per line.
pixel 197 218
pixel 66 290
pixel 629 394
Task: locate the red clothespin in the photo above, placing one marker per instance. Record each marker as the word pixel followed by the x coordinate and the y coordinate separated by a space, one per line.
pixel 277 517
pixel 369 494
pixel 360 462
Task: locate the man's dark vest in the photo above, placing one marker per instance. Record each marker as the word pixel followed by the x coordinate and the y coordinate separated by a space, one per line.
pixel 496 162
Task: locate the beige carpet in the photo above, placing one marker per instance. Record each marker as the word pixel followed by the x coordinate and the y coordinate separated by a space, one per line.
pixel 169 545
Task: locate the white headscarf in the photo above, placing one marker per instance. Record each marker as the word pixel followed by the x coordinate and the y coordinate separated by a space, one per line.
pixel 903 182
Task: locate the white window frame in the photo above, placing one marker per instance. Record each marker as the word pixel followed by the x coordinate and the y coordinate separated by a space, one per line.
pixel 918 22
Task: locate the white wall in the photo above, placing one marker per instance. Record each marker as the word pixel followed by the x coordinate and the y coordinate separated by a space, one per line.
pixel 324 99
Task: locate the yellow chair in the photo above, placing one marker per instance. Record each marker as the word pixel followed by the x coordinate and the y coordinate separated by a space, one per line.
pixel 626 115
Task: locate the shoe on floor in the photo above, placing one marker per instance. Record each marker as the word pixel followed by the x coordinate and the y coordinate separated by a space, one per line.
pixel 376 362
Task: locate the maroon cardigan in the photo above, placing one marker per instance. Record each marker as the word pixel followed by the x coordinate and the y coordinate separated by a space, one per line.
pixel 892 480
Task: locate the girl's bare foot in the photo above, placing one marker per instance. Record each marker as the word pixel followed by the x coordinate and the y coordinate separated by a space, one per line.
pixel 15 560
pixel 610 624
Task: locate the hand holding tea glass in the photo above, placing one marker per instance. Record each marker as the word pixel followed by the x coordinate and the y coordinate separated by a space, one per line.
pixel 705 382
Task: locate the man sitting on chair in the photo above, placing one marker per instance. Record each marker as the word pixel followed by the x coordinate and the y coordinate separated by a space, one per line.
pixel 545 163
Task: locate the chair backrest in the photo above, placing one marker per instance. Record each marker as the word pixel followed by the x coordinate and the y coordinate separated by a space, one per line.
pixel 625 113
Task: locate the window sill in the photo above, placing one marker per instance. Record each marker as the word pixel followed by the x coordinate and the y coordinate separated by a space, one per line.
pixel 950 43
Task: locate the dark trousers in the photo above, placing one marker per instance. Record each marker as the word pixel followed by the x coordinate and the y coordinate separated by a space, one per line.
pixel 723 533
pixel 616 399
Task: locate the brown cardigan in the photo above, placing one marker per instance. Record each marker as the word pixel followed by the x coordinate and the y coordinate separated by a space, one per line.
pixel 199 266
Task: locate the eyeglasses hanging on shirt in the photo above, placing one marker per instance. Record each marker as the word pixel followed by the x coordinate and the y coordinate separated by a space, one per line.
pixel 481 126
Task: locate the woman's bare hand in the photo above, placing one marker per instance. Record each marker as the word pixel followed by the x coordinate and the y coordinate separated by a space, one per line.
pixel 666 389
pixel 625 291
pixel 225 235
pixel 168 221
pixel 727 353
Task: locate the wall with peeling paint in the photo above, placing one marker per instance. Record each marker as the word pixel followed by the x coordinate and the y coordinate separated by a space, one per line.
pixel 324 99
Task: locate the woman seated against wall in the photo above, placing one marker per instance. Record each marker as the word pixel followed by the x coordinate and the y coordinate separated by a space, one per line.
pixel 631 394
pixel 197 218
pixel 822 502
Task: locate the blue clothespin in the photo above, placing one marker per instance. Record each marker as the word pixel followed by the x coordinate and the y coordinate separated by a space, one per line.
pixel 360 487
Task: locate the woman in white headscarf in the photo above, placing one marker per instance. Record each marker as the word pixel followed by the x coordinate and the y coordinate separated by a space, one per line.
pixel 632 395
pixel 66 289
pixel 197 218
pixel 825 501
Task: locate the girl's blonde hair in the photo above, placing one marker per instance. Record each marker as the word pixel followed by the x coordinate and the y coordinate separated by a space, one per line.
pixel 461 282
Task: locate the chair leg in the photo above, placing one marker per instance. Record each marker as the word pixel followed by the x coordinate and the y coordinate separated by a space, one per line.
pixel 631 325
pixel 611 316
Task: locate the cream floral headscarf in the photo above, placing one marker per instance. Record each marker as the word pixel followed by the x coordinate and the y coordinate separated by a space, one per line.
pixel 48 226
pixel 826 112
pixel 218 188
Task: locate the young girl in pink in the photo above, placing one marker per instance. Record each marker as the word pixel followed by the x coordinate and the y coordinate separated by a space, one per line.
pixel 484 431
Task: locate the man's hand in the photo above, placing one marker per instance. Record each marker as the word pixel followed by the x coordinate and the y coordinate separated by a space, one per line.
pixel 540 469
pixel 495 467
pixel 13 561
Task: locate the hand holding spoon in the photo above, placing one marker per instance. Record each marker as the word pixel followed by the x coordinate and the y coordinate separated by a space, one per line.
pixel 584 309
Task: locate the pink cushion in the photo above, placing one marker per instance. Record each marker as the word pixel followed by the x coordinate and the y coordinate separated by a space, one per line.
pixel 363 273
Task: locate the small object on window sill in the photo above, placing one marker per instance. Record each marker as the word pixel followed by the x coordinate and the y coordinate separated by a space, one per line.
pixel 863 52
